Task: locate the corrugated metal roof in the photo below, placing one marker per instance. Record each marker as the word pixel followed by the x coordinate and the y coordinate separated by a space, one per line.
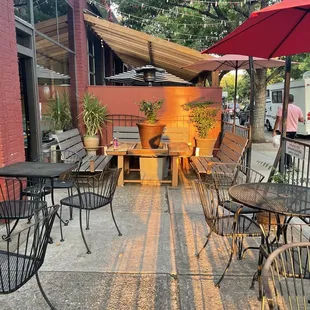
pixel 137 48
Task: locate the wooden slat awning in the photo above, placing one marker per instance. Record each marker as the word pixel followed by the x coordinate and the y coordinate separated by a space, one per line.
pixel 137 48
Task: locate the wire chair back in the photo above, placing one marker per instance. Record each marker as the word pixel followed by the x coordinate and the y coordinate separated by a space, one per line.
pixel 13 203
pixel 227 175
pixel 286 277
pixel 97 190
pixel 23 253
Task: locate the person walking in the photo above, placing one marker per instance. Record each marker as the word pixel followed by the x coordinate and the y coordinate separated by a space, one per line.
pixel 294 115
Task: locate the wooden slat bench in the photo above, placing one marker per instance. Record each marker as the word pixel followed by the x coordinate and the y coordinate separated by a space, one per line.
pixel 71 141
pixel 171 136
pixel 231 151
pixel 131 134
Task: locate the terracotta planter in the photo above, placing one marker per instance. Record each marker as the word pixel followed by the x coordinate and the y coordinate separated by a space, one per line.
pixel 268 219
pixel 91 143
pixel 150 135
pixel 205 146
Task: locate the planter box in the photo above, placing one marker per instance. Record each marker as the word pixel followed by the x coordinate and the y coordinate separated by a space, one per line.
pixel 153 168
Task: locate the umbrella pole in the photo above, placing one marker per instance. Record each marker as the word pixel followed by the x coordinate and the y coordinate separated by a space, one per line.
pixel 249 148
pixel 285 108
pixel 235 97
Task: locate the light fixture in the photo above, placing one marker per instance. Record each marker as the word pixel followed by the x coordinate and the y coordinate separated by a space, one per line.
pixel 149 73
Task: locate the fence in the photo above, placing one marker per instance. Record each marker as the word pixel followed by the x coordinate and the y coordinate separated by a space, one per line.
pixel 299 173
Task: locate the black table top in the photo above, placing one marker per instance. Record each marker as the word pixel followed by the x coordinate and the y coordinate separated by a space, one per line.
pixel 286 199
pixel 35 169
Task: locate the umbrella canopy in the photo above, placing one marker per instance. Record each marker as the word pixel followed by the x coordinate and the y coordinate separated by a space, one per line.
pixel 133 77
pixel 229 62
pixel 278 30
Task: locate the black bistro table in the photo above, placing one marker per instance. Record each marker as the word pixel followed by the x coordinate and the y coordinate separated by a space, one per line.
pixel 29 169
pixel 278 198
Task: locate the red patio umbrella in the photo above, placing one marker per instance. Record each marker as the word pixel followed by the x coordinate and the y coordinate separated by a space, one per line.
pixel 234 62
pixel 278 30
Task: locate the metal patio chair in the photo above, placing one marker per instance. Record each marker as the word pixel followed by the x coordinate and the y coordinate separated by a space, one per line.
pixel 286 277
pixel 14 205
pixel 67 180
pixel 224 222
pixel 93 192
pixel 227 175
pixel 23 253
pixel 276 235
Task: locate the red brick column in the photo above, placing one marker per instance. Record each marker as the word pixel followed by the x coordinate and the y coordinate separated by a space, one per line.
pixel 11 128
pixel 81 58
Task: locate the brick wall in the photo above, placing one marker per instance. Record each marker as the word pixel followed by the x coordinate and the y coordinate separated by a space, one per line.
pixel 81 58
pixel 11 129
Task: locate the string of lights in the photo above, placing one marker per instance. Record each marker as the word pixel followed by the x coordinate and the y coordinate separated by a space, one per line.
pixel 167 23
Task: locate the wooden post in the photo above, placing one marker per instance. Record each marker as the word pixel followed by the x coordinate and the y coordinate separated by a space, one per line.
pixel 175 171
pixel 120 164
pixel 215 79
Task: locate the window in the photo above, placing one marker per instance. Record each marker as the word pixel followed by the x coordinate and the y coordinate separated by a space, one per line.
pixel 22 9
pixel 54 18
pixel 267 93
pixel 277 96
pixel 91 62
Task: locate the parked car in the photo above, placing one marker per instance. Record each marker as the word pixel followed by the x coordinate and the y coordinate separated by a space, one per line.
pixel 230 109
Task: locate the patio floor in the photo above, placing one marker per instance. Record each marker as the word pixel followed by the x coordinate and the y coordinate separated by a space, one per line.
pixel 152 266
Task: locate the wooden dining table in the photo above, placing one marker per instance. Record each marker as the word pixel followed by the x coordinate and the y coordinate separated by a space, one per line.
pixel 174 150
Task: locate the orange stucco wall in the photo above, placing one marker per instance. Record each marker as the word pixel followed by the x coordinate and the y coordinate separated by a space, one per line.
pixel 123 99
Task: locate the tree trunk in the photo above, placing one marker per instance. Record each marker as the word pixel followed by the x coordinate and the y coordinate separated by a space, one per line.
pixel 258 129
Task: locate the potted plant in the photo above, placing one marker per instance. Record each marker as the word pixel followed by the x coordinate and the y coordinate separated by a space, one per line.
pixel 204 119
pixel 59 112
pixel 150 130
pixel 94 116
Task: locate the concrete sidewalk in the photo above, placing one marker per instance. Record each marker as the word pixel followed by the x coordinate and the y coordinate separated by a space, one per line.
pixel 152 266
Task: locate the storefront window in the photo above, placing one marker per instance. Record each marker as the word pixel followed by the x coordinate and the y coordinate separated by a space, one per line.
pixel 54 18
pixel 22 9
pixel 55 71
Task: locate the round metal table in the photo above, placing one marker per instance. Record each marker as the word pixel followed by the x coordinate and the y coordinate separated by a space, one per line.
pixel 279 198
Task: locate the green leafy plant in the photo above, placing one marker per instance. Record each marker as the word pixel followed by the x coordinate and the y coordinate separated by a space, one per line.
pixel 59 111
pixel 289 177
pixel 202 116
pixel 94 115
pixel 150 109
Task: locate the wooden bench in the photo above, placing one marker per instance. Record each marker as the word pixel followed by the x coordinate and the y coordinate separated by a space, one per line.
pixel 131 134
pixel 171 135
pixel 231 151
pixel 71 141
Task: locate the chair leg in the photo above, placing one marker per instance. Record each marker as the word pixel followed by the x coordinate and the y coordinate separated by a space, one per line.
pixel 9 230
pixel 240 247
pixel 208 238
pixel 70 193
pixel 71 213
pixel 60 225
pixel 43 293
pixel 119 233
pixel 228 264
pixel 81 228
pixel 257 276
pixel 87 219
